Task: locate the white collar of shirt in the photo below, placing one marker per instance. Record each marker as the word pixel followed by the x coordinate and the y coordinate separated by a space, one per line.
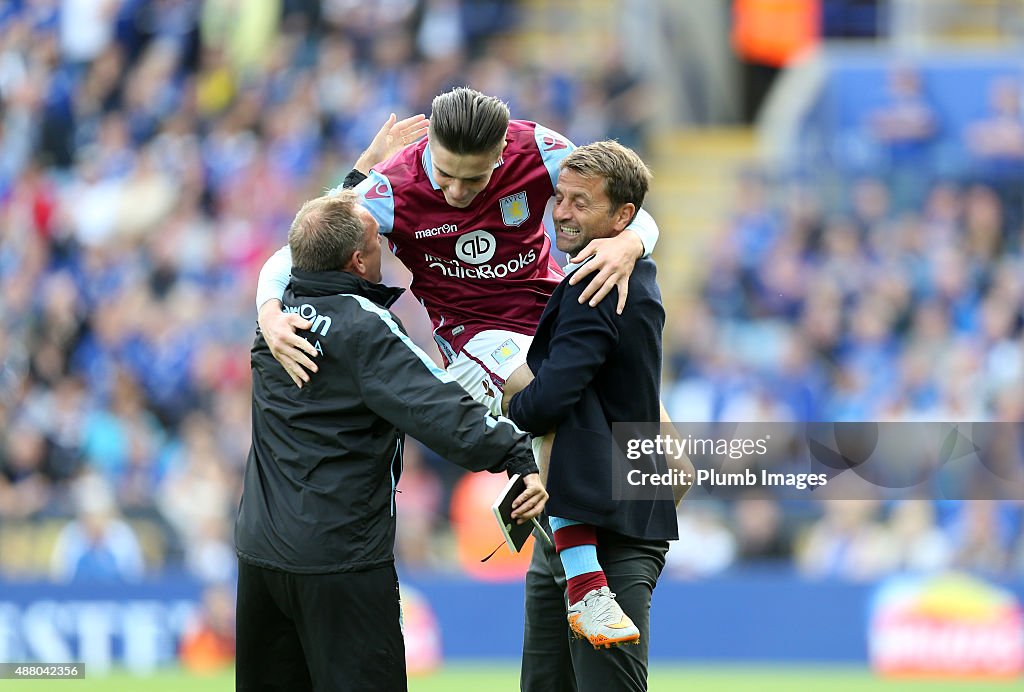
pixel 570 267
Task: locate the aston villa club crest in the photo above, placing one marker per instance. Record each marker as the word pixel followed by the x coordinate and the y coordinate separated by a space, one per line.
pixel 505 351
pixel 514 209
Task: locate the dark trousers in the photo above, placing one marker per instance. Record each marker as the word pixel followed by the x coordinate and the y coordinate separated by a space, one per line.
pixel 555 661
pixel 320 632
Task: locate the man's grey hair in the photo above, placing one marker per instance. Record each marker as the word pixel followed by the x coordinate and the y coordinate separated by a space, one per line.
pixel 326 232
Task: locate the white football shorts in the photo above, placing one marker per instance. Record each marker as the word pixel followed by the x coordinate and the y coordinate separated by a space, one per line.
pixel 486 361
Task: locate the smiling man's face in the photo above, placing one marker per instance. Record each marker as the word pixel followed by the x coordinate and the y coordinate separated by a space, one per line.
pixel 582 212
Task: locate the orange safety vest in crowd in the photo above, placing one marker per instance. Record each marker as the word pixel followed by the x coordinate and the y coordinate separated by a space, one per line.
pixel 773 32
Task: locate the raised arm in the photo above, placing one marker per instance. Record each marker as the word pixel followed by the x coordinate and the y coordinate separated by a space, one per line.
pixel 391 138
pixel 294 353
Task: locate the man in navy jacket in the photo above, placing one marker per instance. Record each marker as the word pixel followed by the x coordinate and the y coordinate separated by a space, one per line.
pixel 592 368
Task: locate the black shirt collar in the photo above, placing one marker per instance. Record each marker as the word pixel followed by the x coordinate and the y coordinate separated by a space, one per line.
pixel 305 283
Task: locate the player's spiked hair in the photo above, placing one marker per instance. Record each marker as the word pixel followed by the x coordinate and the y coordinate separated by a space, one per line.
pixel 464 121
pixel 626 176
pixel 326 232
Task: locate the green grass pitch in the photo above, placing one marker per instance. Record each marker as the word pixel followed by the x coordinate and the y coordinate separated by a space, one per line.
pixel 504 676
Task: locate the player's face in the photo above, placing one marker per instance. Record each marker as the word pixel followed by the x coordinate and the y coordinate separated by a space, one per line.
pixel 461 176
pixel 372 251
pixel 582 212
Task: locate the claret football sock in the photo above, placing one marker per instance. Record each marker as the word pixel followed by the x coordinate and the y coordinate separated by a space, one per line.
pixel 576 544
pixel 593 613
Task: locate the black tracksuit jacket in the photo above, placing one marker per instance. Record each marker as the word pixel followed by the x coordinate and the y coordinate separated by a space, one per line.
pixel 320 481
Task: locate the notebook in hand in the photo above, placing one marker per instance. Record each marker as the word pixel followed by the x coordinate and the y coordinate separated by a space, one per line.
pixel 515 534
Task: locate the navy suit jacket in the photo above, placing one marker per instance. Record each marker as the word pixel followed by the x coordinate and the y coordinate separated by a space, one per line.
pixel 594 368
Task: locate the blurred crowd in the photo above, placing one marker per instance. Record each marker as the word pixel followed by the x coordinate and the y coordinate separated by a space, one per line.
pixel 154 152
pixel 152 156
pixel 883 287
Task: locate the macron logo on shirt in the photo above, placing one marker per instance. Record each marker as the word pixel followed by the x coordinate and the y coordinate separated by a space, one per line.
pixel 379 191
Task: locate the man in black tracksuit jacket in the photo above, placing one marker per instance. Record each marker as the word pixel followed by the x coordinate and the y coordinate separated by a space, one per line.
pixel 318 594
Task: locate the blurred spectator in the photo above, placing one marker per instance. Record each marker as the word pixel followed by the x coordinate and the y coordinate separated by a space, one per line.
pixel 755 227
pixel 982 534
pixel 24 488
pixel 705 547
pixel 998 139
pixel 997 144
pixel 624 94
pixel 761 535
pixel 245 30
pixel 767 35
pixel 60 414
pixel 210 553
pixel 919 545
pixel 906 129
pixel 418 509
pixel 96 546
pixel 116 435
pixel 197 493
pixel 208 644
pixel 848 542
pixel 86 27
pixel 907 120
